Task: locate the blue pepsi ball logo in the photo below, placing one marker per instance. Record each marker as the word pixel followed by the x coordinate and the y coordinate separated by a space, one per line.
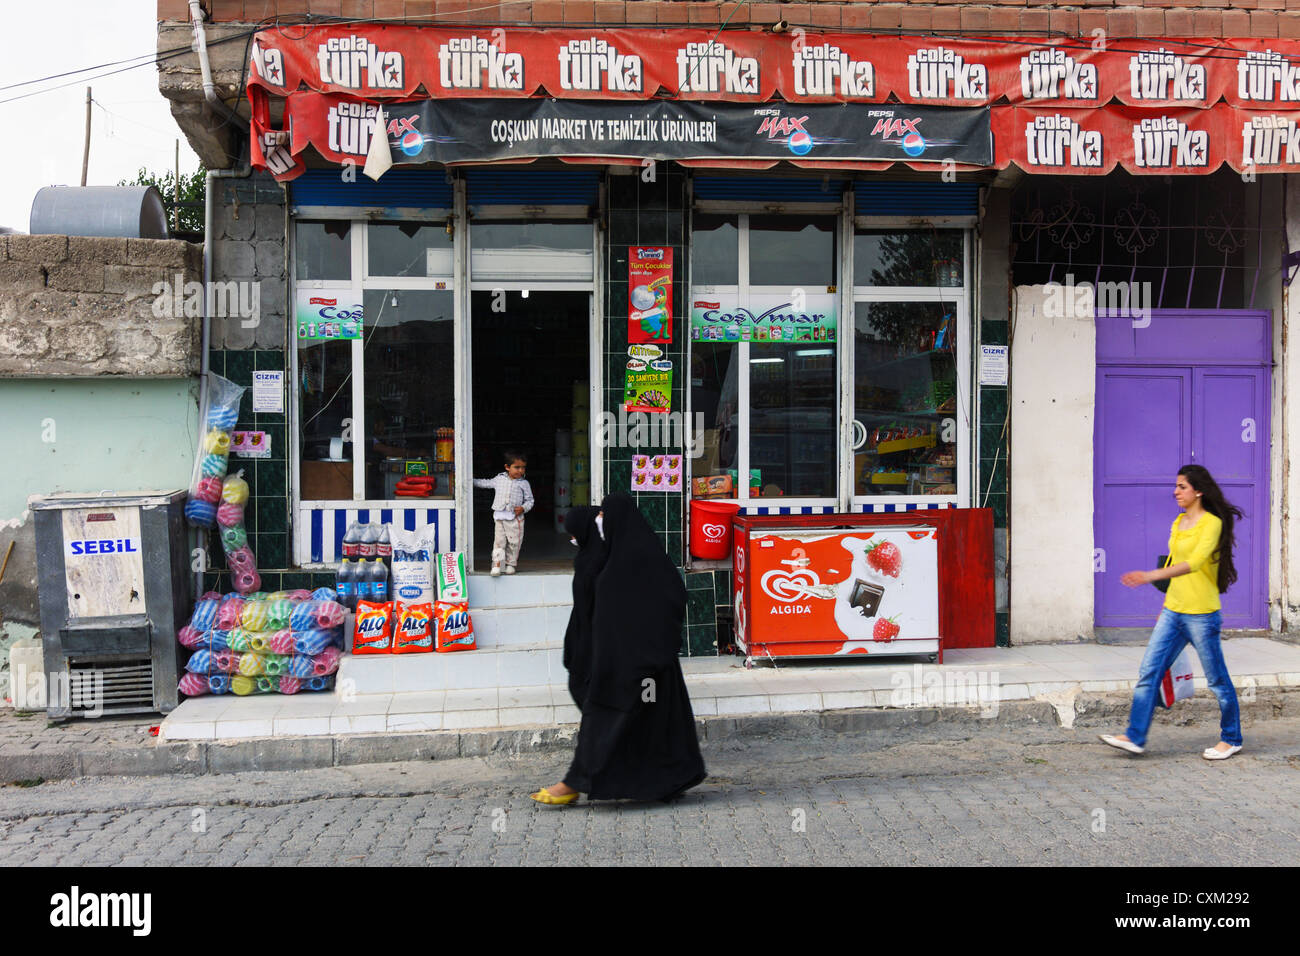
pixel 800 143
pixel 913 144
pixel 412 143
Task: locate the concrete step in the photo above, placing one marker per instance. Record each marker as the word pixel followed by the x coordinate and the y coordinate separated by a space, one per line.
pixel 528 589
pixel 523 665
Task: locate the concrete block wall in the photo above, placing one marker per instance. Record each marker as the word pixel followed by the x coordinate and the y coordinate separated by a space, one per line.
pixel 78 306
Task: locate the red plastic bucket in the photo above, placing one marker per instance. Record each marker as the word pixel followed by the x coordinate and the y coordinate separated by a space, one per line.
pixel 711 529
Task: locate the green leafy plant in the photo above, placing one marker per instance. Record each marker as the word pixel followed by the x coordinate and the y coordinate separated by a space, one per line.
pixel 189 197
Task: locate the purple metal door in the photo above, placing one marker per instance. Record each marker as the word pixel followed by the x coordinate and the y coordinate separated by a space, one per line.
pixel 1230 438
pixel 1187 388
pixel 1142 437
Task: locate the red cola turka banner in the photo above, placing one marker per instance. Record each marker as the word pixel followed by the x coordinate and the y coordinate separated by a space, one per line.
pixel 1074 106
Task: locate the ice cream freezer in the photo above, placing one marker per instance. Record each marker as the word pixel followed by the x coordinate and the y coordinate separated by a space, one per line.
pixel 904 583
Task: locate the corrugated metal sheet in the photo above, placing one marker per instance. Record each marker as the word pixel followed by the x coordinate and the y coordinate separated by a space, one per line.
pixel 916 199
pixel 767 189
pixel 398 189
pixel 532 187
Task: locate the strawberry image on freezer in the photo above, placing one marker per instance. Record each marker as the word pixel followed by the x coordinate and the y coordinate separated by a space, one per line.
pixel 884 556
pixel 886 630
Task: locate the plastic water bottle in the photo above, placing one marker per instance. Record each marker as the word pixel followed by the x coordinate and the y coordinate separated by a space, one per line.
pixel 384 546
pixel 352 541
pixel 369 541
pixel 346 584
pixel 377 581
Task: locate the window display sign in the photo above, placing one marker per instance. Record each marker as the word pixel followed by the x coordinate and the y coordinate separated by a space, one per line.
pixel 769 317
pixel 656 473
pixel 327 315
pixel 251 444
pixel 649 385
pixel 649 294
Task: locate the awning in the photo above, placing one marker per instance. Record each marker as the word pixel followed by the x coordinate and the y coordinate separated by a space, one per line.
pixel 744 98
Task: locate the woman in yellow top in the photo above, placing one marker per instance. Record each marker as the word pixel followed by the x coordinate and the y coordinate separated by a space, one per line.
pixel 1199 570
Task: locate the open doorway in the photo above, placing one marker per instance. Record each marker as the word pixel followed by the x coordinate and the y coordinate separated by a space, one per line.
pixel 530 384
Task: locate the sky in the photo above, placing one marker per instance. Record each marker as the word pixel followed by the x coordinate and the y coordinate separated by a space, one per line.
pixel 131 125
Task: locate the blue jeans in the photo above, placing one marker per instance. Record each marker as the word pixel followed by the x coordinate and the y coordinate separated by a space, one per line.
pixel 1171 634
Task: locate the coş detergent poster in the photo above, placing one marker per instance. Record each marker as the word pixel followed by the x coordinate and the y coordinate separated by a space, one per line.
pixel 845 592
pixel 327 315
pixel 649 294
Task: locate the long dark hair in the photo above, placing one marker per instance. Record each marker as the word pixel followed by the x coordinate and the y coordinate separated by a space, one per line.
pixel 1212 500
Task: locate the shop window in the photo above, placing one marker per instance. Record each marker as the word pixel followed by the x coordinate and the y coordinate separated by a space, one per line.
pixel 325 410
pixel 504 251
pixel 408 249
pixel 715 250
pixel 904 392
pixel 323 250
pixel 408 362
pixel 792 251
pixel 929 257
pixel 763 356
pixel 375 355
pixel 910 335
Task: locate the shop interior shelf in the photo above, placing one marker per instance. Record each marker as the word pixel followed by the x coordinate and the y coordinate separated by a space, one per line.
pixel 903 444
pixel 889 478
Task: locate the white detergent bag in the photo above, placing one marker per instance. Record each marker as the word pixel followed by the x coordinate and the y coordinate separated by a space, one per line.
pixel 412 577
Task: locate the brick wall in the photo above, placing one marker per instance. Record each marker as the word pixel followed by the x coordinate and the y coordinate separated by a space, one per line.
pixel 1154 18
pixel 75 305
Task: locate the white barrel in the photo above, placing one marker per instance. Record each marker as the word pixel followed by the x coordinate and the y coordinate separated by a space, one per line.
pixel 563 479
pixel 560 515
pixel 564 441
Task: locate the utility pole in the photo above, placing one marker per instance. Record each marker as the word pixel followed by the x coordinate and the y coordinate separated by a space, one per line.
pixel 85 153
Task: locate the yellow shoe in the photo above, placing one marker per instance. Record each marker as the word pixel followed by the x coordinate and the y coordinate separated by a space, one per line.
pixel 545 796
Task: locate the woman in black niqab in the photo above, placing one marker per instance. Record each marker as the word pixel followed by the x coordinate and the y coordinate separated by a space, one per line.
pixel 637 739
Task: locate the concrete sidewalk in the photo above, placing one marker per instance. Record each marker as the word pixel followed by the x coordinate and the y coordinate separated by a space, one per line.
pixel 1066 684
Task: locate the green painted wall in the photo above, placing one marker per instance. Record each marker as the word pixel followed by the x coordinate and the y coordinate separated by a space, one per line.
pixel 85 435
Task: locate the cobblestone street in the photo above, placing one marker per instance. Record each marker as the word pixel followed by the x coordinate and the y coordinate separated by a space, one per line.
pixel 937 796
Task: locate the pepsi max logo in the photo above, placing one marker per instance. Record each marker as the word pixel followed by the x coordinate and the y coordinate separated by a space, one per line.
pixel 405 136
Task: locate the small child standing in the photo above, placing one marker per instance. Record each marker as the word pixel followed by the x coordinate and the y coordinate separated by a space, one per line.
pixel 513 498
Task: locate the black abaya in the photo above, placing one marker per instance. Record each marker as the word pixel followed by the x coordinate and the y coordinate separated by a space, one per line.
pixel 581 525
pixel 637 739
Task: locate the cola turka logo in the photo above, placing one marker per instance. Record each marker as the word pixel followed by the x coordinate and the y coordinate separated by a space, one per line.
pixel 1060 141
pixel 1049 74
pixel 1270 141
pixel 269 64
pixel 473 63
pixel 714 67
pixel 826 70
pixel 356 63
pixel 1163 141
pixel 350 127
pixel 1164 75
pixel 594 64
pixel 941 74
pixel 1268 77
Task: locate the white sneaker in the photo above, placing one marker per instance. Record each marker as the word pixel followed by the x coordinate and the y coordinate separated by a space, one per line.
pixel 1122 744
pixel 496 571
pixel 1214 753
pixel 510 569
